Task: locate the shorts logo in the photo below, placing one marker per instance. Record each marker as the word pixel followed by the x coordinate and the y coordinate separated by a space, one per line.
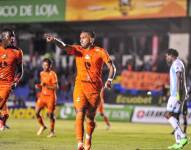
pixel 78 99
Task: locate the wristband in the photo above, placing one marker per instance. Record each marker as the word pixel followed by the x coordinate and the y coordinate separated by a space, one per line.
pixel 110 79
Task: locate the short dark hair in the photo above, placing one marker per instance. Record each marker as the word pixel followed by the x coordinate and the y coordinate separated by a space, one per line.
pixel 9 31
pixel 172 52
pixel 91 33
pixel 47 60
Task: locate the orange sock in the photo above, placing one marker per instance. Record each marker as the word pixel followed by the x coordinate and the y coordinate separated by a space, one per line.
pixel 89 131
pixel 80 126
pixel 52 123
pixel 40 121
pixel 90 127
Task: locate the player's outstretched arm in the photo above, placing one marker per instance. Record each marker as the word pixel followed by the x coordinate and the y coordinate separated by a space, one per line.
pixel 112 72
pixel 59 43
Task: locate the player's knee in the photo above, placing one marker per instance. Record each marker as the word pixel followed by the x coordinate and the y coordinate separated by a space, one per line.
pixel 185 121
pixel 91 123
pixel 51 116
pixel 176 115
pixel 90 115
pixel 6 116
pixel 80 116
pixel 167 115
pixel 80 113
pixel 37 114
pixel 101 114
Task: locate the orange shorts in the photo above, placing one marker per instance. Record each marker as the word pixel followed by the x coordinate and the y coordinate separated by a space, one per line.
pixel 85 96
pixel 4 94
pixel 47 101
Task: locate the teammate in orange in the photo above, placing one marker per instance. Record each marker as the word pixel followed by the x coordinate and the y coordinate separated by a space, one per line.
pixel 88 84
pixel 11 70
pixel 47 97
pixel 100 109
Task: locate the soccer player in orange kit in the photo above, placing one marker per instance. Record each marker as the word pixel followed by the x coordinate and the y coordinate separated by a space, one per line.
pixel 88 84
pixel 11 70
pixel 47 97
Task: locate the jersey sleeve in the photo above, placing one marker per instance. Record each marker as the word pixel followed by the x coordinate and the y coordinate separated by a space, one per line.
pixel 54 78
pixel 177 67
pixel 20 57
pixel 73 50
pixel 105 56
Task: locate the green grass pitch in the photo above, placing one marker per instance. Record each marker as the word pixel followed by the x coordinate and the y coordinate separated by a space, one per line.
pixel 121 136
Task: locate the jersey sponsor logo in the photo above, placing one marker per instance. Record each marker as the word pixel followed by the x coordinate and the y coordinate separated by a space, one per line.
pixel 87 56
pixel 4 56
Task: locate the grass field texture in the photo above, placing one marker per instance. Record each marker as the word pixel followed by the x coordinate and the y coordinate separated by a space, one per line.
pixel 121 136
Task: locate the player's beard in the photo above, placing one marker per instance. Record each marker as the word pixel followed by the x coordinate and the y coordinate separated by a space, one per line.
pixel 86 46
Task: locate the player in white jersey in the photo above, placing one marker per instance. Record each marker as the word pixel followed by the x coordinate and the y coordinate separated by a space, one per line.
pixel 177 95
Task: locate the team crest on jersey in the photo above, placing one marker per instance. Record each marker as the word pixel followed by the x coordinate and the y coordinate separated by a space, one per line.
pixel 87 56
pixel 4 56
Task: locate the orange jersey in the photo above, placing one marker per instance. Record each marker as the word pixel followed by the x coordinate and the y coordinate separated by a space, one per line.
pixel 89 63
pixel 9 59
pixel 50 79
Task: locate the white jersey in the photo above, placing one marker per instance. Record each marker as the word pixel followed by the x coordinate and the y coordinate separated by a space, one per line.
pixel 177 66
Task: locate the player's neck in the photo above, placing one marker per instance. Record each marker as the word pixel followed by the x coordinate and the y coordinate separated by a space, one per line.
pixel 6 46
pixel 89 47
pixel 174 59
pixel 47 70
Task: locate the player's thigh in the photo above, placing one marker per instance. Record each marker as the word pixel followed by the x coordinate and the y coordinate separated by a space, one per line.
pixel 93 103
pixel 51 104
pixel 79 98
pixel 94 99
pixel 173 105
pixel 40 103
